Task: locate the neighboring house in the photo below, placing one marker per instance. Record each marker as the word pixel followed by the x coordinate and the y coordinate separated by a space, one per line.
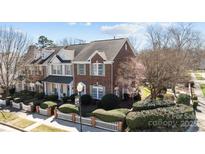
pixel 59 80
pixel 96 65
pixel 58 70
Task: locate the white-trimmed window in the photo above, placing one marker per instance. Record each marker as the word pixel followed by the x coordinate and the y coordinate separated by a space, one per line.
pixel 68 70
pixel 97 92
pixel 97 69
pixel 56 69
pixel 81 69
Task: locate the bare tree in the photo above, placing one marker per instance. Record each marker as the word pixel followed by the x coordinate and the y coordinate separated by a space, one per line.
pixel 130 74
pixel 13 44
pixel 70 41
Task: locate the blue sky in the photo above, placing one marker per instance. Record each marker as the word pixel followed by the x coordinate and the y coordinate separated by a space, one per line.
pixel 89 31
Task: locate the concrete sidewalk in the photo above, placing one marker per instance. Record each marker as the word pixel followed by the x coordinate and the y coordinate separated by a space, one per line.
pixel 200 113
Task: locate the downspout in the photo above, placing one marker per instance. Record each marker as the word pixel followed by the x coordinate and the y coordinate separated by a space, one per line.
pixel 111 77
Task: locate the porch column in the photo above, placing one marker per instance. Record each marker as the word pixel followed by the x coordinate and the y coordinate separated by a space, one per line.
pixel 45 90
pixel 58 90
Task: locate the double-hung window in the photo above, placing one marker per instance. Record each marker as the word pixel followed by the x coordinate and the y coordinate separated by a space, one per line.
pixel 68 70
pixel 97 69
pixel 98 92
pixel 81 69
pixel 56 69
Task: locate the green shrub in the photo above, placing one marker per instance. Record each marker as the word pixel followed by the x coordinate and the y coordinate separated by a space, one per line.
pixel 148 104
pixel 195 104
pixel 87 110
pixel 183 99
pixel 47 104
pixel 39 95
pixel 65 99
pixel 86 99
pixel 72 97
pixel 109 102
pixel 17 100
pixel 68 108
pixel 169 117
pixel 169 97
pixel 52 98
pixel 12 91
pixel 194 97
pixel 111 115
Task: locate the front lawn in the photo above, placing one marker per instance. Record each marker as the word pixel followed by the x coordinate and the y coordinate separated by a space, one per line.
pixel 22 123
pixel 199 76
pixel 203 88
pixel 45 128
pixel 7 116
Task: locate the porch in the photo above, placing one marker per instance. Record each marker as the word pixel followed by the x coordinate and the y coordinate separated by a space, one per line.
pixel 58 85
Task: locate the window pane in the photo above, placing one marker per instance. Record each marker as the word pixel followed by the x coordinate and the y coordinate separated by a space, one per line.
pixel 94 69
pixel 100 92
pixel 68 69
pixel 94 92
pixel 100 69
pixel 81 69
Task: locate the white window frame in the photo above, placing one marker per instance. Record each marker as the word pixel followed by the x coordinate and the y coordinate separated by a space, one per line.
pixel 96 73
pixel 70 69
pixel 56 68
pixel 78 69
pixel 98 88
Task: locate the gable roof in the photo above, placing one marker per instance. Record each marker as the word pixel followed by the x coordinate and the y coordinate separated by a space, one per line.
pixel 110 48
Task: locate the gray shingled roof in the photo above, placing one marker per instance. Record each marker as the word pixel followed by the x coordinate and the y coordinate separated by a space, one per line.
pixel 58 79
pixel 109 47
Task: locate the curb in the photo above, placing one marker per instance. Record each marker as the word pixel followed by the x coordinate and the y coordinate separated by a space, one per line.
pixel 8 125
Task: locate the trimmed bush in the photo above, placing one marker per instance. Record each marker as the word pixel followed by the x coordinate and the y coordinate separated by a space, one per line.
pixel 72 97
pixel 47 104
pixel 65 99
pixel 169 97
pixel 183 99
pixel 169 117
pixel 148 104
pixel 111 115
pixel 86 99
pixel 17 100
pixel 39 95
pixel 52 98
pixel 137 97
pixel 195 104
pixel 68 108
pixel 109 102
pixel 12 91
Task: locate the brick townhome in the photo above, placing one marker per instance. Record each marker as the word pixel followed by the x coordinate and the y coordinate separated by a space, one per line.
pixel 58 70
pixel 96 65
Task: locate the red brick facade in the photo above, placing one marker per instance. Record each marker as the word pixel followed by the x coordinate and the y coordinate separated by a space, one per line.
pixel 108 80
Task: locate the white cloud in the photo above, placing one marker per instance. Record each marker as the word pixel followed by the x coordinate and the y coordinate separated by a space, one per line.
pixel 137 30
pixel 82 23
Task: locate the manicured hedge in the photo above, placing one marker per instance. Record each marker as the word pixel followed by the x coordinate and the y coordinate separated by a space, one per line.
pixel 183 99
pixel 68 108
pixel 47 104
pixel 169 97
pixel 148 104
pixel 111 115
pixel 109 102
pixel 52 97
pixel 86 99
pixel 168 117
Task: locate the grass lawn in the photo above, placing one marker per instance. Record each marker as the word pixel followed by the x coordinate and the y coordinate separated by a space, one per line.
pixel 45 128
pixel 7 116
pixel 203 88
pixel 22 123
pixel 145 92
pixel 199 76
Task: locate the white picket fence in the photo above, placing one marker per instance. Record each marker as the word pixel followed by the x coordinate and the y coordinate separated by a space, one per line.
pixel 16 105
pixel 43 111
pixel 27 107
pixel 90 121
pixel 2 102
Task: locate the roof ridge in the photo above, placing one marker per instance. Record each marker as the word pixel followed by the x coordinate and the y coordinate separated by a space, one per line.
pixel 110 39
